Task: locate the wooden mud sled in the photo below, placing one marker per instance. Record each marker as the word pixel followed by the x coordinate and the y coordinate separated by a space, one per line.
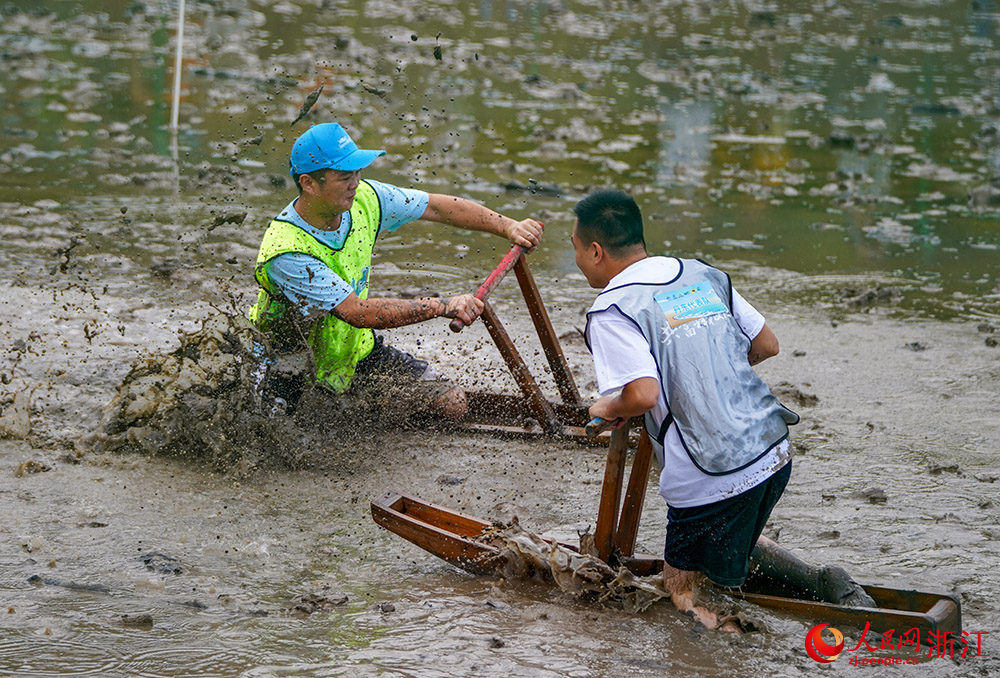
pixel 452 536
pixel 530 413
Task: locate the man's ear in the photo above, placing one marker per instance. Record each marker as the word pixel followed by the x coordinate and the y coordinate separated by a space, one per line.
pixel 309 185
pixel 596 252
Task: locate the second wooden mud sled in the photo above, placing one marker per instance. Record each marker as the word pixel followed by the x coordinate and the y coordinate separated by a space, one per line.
pixel 455 537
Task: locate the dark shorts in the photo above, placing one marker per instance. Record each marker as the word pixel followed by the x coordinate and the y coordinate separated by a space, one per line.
pixel 716 539
pixel 387 372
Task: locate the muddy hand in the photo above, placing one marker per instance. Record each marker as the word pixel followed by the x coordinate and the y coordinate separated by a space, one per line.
pixel 527 233
pixel 464 307
pixel 601 411
pixel 596 426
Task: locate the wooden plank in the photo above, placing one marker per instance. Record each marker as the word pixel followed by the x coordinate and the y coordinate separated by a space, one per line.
pixel 942 617
pixel 456 523
pixel 635 495
pixel 537 403
pixel 611 492
pixel 574 433
pixel 508 409
pixel 456 549
pixel 547 334
pixel 642 565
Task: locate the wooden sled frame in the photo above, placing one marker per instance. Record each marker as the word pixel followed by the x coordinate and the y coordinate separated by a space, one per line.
pixel 505 414
pixel 452 536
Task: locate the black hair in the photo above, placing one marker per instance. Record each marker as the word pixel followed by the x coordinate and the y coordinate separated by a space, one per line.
pixel 318 175
pixel 612 219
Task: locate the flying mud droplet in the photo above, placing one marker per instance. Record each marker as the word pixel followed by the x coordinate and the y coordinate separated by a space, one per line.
pixel 380 93
pixel 236 218
pixel 310 101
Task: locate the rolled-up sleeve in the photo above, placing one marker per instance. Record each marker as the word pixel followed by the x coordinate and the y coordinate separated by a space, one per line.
pixel 399 205
pixel 747 317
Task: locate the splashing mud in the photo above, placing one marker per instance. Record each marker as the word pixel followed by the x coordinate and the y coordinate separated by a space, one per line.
pixel 580 573
pixel 203 400
pixel 15 409
pixel 212 399
pixel 853 172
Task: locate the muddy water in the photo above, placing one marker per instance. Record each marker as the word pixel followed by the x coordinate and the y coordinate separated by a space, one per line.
pixel 836 161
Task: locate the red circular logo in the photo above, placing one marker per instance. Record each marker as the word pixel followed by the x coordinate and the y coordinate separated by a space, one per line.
pixel 819 649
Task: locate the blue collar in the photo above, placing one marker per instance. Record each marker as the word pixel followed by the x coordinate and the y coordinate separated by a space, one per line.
pixel 334 239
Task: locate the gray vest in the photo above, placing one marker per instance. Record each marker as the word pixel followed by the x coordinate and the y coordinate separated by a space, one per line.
pixel 726 415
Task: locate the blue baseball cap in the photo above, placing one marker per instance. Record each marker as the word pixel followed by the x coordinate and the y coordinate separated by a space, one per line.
pixel 328 146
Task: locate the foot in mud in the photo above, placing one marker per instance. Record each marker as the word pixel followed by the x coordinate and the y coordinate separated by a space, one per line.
pixel 682 585
pixel 836 586
pixel 685 602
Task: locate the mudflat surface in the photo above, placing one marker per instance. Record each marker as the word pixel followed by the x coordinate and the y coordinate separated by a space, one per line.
pixel 839 160
pixel 894 478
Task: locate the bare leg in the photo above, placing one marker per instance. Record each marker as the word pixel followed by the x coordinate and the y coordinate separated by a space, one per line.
pixel 682 587
pixel 829 583
pixel 451 404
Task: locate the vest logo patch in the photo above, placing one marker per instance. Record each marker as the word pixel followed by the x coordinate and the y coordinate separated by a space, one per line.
pixel 690 303
pixel 360 285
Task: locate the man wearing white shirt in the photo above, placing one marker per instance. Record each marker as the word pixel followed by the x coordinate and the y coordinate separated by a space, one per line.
pixel 672 341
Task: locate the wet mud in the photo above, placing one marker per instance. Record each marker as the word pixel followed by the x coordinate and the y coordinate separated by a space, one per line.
pixel 578 572
pixel 215 558
pixel 839 162
pixel 202 399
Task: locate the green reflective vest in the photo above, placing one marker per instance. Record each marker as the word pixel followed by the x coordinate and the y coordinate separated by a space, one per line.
pixel 337 346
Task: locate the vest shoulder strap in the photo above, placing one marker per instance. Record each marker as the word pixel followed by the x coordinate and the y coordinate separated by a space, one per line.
pixel 283 237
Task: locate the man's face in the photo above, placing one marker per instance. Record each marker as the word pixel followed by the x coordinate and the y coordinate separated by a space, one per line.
pixel 584 257
pixel 337 189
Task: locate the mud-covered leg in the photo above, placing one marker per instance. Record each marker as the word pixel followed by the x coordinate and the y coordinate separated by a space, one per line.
pixel 829 583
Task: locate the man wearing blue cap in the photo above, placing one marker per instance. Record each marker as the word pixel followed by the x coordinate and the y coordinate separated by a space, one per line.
pixel 315 260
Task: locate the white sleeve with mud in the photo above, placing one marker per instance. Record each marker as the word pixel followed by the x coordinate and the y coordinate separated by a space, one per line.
pixel 308 282
pixel 747 317
pixel 621 354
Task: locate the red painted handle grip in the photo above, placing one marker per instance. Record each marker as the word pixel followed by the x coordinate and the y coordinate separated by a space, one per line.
pixel 492 280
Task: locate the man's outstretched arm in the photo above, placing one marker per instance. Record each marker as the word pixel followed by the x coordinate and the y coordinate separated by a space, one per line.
pixel 635 398
pixel 463 213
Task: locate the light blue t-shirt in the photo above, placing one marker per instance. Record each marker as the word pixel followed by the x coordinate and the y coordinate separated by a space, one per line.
pixel 307 281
